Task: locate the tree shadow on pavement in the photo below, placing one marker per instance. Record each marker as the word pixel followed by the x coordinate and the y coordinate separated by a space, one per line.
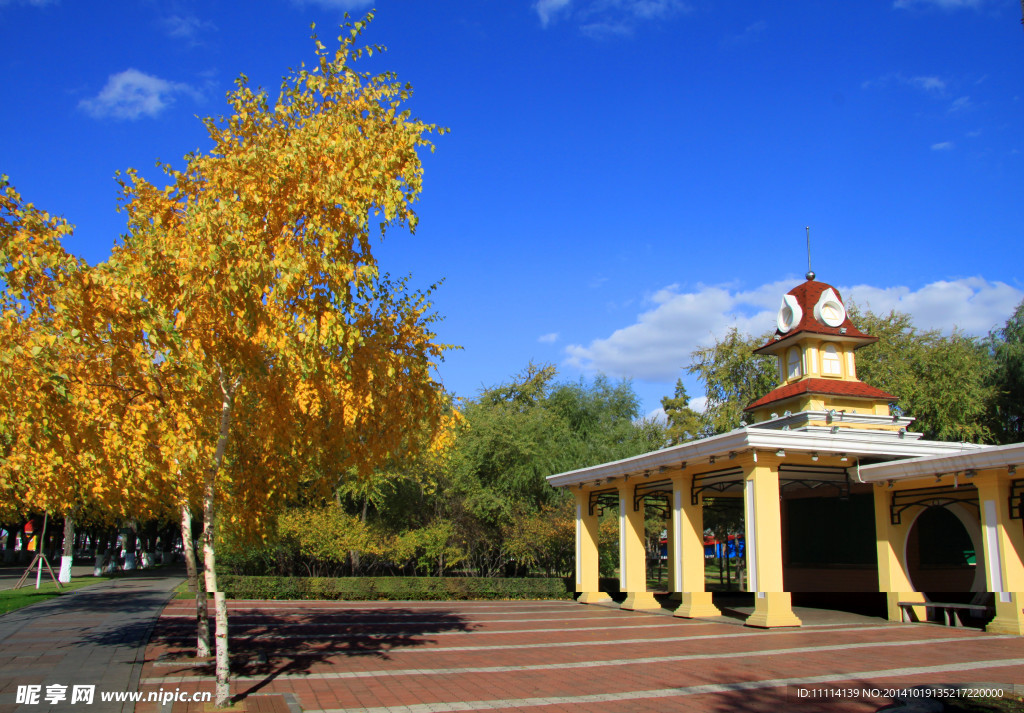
pixel 269 644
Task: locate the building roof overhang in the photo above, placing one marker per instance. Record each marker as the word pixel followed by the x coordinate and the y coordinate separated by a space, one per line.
pixel 824 387
pixel 980 458
pixel 780 343
pixel 855 443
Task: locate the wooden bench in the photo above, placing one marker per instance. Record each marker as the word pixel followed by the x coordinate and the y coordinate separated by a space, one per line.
pixel 948 609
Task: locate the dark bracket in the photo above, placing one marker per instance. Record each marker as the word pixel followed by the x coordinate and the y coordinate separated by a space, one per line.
pixel 930 497
pixel 603 499
pixel 1017 500
pixel 662 489
pixel 660 503
pixel 843 486
pixel 733 476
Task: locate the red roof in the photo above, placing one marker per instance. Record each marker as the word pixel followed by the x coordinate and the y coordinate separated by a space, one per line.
pixel 807 296
pixel 832 387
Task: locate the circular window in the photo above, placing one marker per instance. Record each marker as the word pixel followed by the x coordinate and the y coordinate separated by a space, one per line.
pixel 789 314
pixel 829 309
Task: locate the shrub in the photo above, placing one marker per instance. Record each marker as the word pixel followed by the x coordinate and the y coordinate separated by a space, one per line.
pixel 395 588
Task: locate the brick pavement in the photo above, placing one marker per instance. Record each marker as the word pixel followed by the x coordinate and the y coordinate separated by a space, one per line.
pixel 421 657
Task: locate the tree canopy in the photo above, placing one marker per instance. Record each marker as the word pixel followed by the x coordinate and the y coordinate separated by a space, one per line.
pixel 733 376
pixel 242 337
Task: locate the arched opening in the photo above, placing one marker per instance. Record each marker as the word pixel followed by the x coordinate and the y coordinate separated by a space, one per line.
pixel 831 365
pixel 793 363
pixel 944 554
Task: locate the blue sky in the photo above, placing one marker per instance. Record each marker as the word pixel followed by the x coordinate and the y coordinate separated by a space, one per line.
pixel 624 179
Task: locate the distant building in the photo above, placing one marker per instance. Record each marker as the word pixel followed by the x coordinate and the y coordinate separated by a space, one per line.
pixel 839 496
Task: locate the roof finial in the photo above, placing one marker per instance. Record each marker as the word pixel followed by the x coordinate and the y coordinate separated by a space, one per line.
pixel 810 272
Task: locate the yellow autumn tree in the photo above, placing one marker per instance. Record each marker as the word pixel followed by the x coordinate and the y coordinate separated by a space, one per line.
pixel 256 263
pixel 66 401
pixel 92 424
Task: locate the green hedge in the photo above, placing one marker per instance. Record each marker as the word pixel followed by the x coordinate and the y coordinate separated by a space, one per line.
pixel 396 588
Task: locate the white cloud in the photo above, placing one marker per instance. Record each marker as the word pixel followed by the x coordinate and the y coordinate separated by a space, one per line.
pixel 960 104
pixel 749 34
pixel 606 30
pixel 944 4
pixel 926 83
pixel 338 4
pixel 943 146
pixel 550 338
pixel 658 345
pixel 605 19
pixel 186 28
pixel 973 304
pixel 652 9
pixel 131 94
pixel 547 9
pixel 658 415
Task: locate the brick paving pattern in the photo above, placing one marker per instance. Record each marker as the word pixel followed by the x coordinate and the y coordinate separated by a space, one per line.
pixel 423 657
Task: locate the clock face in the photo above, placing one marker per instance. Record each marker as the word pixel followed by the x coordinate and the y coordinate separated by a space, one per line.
pixel 789 314
pixel 829 309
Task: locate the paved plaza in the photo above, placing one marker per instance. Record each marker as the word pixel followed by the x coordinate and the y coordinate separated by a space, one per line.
pixel 545 656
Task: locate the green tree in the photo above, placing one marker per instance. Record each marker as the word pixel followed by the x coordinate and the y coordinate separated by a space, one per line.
pixel 733 376
pixel 944 382
pixel 684 424
pixel 1007 349
pixel 516 434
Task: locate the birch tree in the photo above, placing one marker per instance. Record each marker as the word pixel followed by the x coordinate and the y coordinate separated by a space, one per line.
pixel 266 299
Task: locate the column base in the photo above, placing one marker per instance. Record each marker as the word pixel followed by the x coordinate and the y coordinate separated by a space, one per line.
pixel 593 597
pixel 696 604
pixel 772 609
pixel 896 613
pixel 640 600
pixel 1009 616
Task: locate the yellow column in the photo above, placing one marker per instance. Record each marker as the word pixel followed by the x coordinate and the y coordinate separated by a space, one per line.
pixel 890 544
pixel 688 537
pixel 672 555
pixel 586 551
pixel 632 555
pixel 1004 550
pixel 772 605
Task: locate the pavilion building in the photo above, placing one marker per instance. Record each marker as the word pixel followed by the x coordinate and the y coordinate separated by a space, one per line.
pixel 838 494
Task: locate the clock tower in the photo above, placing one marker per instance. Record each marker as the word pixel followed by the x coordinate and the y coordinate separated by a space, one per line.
pixel 815 344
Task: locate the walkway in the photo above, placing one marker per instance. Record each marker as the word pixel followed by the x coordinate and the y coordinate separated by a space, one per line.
pixel 94 636
pixel 419 657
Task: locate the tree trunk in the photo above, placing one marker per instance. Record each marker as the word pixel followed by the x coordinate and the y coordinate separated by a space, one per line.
pixel 69 549
pixel 223 697
pixel 202 616
pixel 9 545
pixel 130 538
pixel 728 570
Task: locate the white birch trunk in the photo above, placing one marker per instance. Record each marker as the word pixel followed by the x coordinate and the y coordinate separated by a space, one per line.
pixel 130 547
pixel 223 697
pixel 202 618
pixel 69 550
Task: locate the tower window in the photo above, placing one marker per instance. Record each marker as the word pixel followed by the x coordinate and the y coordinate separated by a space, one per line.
pixel 793 363
pixel 830 363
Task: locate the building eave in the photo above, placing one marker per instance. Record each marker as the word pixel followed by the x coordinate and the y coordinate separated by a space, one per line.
pixel 859 443
pixel 980 458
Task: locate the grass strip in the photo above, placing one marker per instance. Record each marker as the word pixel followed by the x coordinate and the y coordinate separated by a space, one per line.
pixel 12 599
